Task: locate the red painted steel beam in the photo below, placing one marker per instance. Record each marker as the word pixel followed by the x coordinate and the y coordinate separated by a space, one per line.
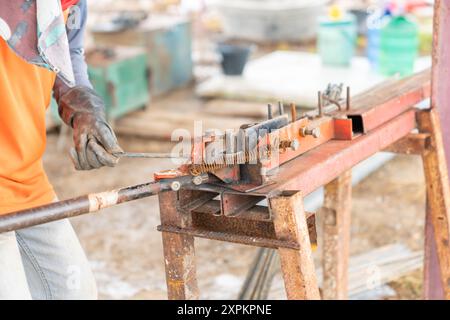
pixel 440 99
pixel 387 100
pixel 324 163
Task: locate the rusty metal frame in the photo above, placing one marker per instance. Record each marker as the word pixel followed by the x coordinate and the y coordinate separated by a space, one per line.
pixel 380 119
pixel 246 222
pixel 215 212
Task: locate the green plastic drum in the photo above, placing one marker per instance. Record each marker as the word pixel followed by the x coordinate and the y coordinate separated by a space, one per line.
pixel 399 45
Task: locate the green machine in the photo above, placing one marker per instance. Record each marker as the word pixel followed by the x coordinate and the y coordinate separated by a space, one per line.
pixel 120 76
pixel 168 43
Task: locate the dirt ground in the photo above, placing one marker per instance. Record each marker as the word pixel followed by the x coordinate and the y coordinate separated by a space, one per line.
pixel 126 251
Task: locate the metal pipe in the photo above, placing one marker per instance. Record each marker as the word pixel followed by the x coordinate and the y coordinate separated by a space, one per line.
pixel 280 108
pixel 319 103
pixel 149 155
pixel 347 100
pixel 269 112
pixel 293 112
pixel 88 203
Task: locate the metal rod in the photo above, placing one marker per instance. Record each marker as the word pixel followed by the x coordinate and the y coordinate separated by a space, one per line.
pixel 319 102
pixel 269 111
pixel 293 112
pixel 149 155
pixel 389 92
pixel 348 98
pixel 280 108
pixel 88 203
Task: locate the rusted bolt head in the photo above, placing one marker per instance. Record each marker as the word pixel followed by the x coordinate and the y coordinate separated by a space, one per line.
pixel 295 144
pixel 198 180
pixel 175 185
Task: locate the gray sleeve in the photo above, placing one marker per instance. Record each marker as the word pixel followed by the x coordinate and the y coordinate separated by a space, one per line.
pixel 76 27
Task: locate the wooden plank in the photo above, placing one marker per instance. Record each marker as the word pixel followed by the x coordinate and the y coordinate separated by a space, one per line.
pixel 336 215
pixel 161 124
pixel 297 265
pixel 438 192
pixel 229 108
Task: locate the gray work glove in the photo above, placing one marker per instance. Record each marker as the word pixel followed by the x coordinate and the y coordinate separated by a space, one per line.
pixel 95 143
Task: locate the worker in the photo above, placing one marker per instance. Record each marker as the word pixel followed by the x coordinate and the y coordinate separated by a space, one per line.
pixel 41 51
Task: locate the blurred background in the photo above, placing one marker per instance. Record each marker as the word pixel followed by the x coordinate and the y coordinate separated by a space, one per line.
pixel 160 65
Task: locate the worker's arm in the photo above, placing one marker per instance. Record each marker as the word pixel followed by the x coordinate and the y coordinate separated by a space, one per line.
pixel 82 109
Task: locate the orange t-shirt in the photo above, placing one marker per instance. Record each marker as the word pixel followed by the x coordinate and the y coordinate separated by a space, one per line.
pixel 25 93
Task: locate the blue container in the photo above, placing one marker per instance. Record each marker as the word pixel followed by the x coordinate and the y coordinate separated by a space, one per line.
pixel 337 40
pixel 375 22
pixel 373 46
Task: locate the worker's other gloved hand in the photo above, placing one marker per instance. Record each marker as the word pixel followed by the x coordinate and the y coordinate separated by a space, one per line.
pixel 95 143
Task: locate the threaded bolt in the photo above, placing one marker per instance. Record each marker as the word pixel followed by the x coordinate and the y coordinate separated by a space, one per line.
pixel 291 144
pixel 315 132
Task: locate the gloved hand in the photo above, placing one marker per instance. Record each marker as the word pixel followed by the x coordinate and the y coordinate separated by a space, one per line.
pixel 95 143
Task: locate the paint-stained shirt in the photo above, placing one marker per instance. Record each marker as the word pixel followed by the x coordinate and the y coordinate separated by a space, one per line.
pixel 25 94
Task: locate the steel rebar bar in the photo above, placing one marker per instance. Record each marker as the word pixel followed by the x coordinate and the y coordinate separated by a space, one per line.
pixel 86 204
